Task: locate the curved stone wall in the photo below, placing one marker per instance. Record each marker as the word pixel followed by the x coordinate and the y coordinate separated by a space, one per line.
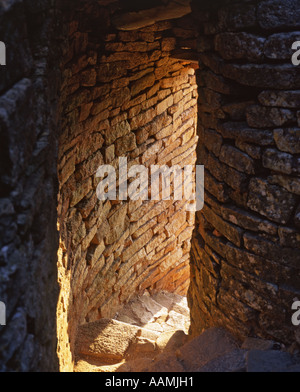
pixel 122 95
pixel 245 253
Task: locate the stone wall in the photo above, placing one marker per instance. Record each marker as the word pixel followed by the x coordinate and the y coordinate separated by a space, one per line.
pixel 245 252
pixel 122 95
pixel 28 185
pixel 119 94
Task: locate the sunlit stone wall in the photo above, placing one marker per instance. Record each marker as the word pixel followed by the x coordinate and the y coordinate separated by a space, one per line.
pixel 123 95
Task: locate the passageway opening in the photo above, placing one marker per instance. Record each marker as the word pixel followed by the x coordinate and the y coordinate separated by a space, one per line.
pixel 125 82
pixel 123 95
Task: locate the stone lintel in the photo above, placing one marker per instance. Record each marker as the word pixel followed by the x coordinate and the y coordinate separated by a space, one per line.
pixel 136 20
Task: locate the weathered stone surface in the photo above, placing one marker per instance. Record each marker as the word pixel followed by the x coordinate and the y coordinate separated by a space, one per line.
pixel 168 44
pixel 230 231
pixel 291 184
pixel 240 46
pixel 242 132
pixel 258 344
pixel 17 331
pixel 289 237
pixel 278 161
pixel 156 348
pixel 237 16
pixel 105 338
pixel 143 83
pixel 297 217
pixel 125 144
pixel 224 173
pixel 217 189
pixel 213 141
pixel 278 46
pixel 267 248
pixel 262 117
pixel 275 14
pixel 147 17
pixel 108 72
pixel 118 225
pixel 120 130
pixel 237 159
pixel 234 361
pixel 200 351
pixel 286 99
pixel 89 167
pixel 259 266
pixel 237 110
pixel 164 105
pixel 247 220
pixel 216 83
pixel 263 75
pixel 288 140
pixel 271 201
pixel 250 149
pixel 268 361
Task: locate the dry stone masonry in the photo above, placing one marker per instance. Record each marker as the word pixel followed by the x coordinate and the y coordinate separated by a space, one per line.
pixel 176 82
pixel 122 96
pixel 245 252
pixel 28 185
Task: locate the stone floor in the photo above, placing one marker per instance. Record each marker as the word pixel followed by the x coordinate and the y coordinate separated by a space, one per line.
pixel 150 334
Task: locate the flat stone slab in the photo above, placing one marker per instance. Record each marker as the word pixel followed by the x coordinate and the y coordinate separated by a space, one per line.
pixel 173 302
pixel 213 343
pixel 171 340
pixel 165 363
pixel 259 344
pixel 137 20
pixel 269 361
pixel 234 361
pixel 105 338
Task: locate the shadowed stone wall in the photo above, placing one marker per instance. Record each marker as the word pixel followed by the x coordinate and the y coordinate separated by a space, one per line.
pixel 28 185
pixel 245 268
